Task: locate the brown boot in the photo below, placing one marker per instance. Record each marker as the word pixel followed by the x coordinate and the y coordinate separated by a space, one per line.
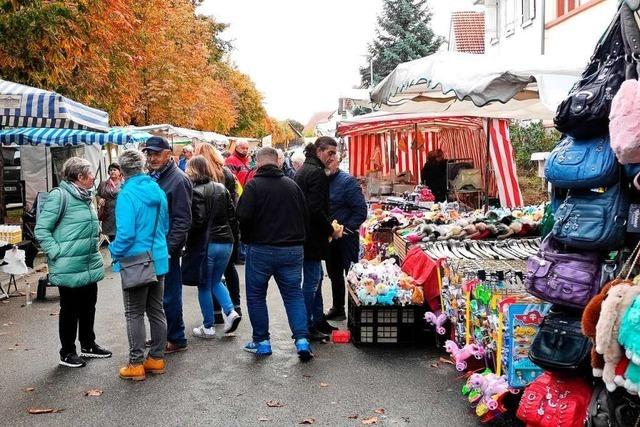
pixel 133 372
pixel 154 366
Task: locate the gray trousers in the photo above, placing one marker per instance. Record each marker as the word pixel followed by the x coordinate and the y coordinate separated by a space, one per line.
pixel 137 302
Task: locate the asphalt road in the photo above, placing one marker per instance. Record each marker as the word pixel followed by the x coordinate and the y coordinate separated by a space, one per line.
pixel 215 382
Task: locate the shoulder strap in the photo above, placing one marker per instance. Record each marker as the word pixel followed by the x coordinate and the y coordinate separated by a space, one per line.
pixel 64 201
pixel 155 229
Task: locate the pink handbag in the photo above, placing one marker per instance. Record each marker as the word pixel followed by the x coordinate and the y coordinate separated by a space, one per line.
pixel 624 123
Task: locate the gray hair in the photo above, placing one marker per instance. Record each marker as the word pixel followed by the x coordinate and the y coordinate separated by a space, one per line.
pixel 188 148
pixel 298 156
pixel 267 155
pixel 74 168
pixel 131 162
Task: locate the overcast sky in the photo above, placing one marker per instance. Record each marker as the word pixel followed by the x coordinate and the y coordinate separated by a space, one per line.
pixel 303 53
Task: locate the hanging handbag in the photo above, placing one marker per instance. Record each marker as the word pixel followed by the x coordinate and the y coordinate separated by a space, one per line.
pixel 551 401
pixel 582 163
pixel 559 345
pixel 561 277
pixel 593 220
pixel 138 271
pixel 613 409
pixel 585 112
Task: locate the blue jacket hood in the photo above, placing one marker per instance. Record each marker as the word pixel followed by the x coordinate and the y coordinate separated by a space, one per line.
pixel 143 188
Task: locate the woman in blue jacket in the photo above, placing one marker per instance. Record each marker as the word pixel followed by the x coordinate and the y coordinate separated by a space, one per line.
pixel 142 223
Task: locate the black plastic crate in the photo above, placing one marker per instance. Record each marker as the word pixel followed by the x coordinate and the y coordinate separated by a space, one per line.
pixel 386 324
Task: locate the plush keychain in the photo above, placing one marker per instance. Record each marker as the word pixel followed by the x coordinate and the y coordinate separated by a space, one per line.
pixel 437 321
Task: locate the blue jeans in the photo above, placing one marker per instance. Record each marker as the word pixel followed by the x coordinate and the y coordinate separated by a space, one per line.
pixel 172 302
pixel 312 289
pixel 284 264
pixel 218 255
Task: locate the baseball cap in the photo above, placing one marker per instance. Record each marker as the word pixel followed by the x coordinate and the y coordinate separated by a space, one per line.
pixel 157 143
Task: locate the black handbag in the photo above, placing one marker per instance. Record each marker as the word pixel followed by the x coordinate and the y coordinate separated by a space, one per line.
pixel 612 409
pixel 585 112
pixel 560 345
pixel 139 271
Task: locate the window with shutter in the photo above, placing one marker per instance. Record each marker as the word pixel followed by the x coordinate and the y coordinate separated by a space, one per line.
pixel 528 10
pixel 509 19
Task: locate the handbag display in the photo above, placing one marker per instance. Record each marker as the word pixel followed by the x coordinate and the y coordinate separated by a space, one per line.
pixel 582 163
pixel 593 219
pixel 585 112
pixel 612 409
pixel 565 278
pixel 138 271
pixel 551 401
pixel 559 345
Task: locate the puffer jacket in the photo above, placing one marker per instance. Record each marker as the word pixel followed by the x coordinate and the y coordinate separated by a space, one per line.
pixel 139 201
pixel 219 214
pixel 72 247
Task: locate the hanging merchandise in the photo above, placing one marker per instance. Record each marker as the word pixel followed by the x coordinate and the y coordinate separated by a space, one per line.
pixel 617 409
pixel 582 164
pixel 624 125
pixel 593 219
pixel 585 112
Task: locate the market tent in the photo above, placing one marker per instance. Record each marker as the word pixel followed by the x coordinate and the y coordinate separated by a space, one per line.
pixel 489 86
pixel 25 106
pixel 64 137
pixel 182 134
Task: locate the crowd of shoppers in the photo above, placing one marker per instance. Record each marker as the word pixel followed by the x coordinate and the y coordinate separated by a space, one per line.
pixel 190 225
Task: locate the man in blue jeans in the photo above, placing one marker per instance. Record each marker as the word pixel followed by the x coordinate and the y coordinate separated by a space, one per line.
pixel 272 216
pixel 178 189
pixel 314 183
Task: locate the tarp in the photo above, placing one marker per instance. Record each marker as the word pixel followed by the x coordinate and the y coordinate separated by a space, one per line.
pixel 25 106
pixel 460 84
pixel 62 137
pixel 183 134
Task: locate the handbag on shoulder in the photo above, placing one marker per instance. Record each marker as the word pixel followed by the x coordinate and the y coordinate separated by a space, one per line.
pixel 138 271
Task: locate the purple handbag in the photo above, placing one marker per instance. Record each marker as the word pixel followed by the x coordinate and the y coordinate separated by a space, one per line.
pixel 565 278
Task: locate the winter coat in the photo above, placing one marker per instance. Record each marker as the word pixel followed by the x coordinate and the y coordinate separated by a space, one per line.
pixel 239 166
pixel 214 209
pixel 314 183
pixel 139 202
pixel 109 197
pixel 272 210
pixel 178 190
pixel 230 184
pixel 72 247
pixel 349 208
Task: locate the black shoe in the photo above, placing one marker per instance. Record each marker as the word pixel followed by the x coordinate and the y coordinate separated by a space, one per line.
pixel 325 328
pixel 218 319
pixel 238 310
pixel 316 335
pixel 95 352
pixel 72 360
pixel 334 314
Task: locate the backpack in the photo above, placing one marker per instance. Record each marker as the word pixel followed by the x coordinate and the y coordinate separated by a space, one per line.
pixel 64 202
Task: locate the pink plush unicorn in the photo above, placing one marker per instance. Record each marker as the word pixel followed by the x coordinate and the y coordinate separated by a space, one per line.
pixel 460 355
pixel 489 385
pixel 438 321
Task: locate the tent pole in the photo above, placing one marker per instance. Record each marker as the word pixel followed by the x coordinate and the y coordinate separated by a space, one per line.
pixel 487 166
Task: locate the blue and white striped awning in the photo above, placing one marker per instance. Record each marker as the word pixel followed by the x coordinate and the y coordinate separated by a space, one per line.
pixel 25 106
pixel 62 137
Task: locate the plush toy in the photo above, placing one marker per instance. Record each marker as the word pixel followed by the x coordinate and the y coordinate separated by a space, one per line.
pixel 365 298
pixel 388 297
pixel 417 296
pixel 630 332
pixel 460 355
pixel 437 321
pixel 404 297
pixel 490 386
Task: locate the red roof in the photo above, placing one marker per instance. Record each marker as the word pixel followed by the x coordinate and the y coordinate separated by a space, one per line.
pixel 468 30
pixel 316 119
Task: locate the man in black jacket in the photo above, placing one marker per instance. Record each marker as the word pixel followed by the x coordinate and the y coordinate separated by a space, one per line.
pixel 272 216
pixel 314 183
pixel 178 189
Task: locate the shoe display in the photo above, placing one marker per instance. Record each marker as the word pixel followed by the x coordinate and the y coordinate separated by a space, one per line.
pixel 202 332
pixel 72 360
pixel 262 348
pixel 231 321
pixel 303 348
pixel 335 314
pixel 316 335
pixel 174 348
pixel 133 372
pixel 95 352
pixel 154 366
pixel 325 327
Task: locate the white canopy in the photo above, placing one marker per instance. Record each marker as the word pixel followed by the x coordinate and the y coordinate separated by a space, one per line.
pixel 460 84
pixel 183 134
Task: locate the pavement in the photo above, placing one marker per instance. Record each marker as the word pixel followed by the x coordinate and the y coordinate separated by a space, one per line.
pixel 215 382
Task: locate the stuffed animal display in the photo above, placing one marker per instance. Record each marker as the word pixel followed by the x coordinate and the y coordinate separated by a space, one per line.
pixel 378 282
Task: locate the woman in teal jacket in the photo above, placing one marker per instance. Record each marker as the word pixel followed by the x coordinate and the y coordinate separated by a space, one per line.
pixel 142 223
pixel 68 230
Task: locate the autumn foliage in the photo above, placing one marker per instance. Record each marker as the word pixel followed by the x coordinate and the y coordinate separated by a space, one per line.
pixel 143 61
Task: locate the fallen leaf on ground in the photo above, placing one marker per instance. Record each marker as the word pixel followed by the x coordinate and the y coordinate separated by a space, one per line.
pixel 56 313
pixel 274 404
pixel 353 417
pixel 406 419
pixel 379 411
pixel 22 294
pixel 434 365
pixel 11 348
pixel 29 389
pixel 306 376
pixel 443 360
pixel 369 421
pixel 324 385
pixel 35 411
pixel 264 419
pixel 239 394
pixel 308 421
pixel 94 392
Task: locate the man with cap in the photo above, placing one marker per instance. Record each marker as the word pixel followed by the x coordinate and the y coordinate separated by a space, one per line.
pixel 187 154
pixel 178 188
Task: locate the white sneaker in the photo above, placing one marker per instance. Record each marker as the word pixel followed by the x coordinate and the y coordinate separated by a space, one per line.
pixel 231 321
pixel 202 332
